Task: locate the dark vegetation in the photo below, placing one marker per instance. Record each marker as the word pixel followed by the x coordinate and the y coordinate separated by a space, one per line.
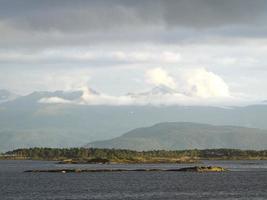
pixel 92 155
pixel 186 169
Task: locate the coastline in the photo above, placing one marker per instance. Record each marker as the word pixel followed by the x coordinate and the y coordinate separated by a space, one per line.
pixel 124 156
pixel 63 162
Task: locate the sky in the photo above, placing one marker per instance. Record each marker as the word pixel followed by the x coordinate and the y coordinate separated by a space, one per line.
pixel 202 49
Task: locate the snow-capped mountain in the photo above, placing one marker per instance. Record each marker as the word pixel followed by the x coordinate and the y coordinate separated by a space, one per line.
pixel 75 97
pixel 88 96
pixel 156 91
pixel 36 97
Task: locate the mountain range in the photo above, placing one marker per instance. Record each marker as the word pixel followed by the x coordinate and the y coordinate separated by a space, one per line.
pixel 185 135
pixel 65 119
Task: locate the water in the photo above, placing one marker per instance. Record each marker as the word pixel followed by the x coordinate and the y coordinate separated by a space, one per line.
pixel 246 180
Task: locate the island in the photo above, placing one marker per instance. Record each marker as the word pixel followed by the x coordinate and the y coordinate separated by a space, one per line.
pixel 114 156
pixel 186 169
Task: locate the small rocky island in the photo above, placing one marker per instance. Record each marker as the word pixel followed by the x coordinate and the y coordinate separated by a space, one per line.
pixel 203 169
pixel 186 169
pixel 185 160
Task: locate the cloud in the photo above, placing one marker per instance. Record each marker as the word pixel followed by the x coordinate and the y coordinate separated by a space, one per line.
pixel 105 15
pixel 90 97
pixel 93 98
pixel 204 84
pixel 195 82
pixel 198 87
pixel 31 24
pixel 143 99
pixel 54 100
pixel 81 55
pixel 170 57
pixel 159 76
pixel 228 36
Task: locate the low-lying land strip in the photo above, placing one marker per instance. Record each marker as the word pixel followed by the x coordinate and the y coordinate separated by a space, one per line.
pixel 186 169
pixel 93 155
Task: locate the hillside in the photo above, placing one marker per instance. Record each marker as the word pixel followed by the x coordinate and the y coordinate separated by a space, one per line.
pixel 184 135
pixel 26 122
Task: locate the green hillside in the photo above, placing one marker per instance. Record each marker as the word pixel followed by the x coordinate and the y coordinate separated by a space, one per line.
pixel 185 135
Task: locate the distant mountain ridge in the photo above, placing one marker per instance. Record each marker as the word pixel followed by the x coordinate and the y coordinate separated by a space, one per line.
pixel 27 122
pixel 158 90
pixel 185 135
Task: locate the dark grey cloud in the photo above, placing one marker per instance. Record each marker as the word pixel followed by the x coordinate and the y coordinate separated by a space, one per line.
pixel 56 36
pixel 83 15
pixel 38 23
pixel 214 13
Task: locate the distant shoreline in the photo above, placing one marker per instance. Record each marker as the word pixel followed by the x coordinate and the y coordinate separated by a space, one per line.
pixel 74 162
pixel 123 156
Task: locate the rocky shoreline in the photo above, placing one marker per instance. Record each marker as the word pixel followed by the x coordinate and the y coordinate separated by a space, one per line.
pixel 106 161
pixel 186 169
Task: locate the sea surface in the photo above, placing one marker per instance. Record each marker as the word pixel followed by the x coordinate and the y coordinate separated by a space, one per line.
pixel 246 180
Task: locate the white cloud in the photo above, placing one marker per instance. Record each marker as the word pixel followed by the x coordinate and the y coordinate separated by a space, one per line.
pixel 83 55
pixel 194 82
pixel 204 84
pixel 170 57
pixel 148 98
pixel 196 87
pixel 54 100
pixel 159 76
pixel 103 99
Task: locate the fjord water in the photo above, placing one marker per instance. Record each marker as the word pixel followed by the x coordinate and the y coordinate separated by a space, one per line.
pixel 246 180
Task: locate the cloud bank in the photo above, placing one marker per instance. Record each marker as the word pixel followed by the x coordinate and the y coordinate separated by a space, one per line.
pixel 42 39
pixel 158 76
pixel 41 24
pixel 199 87
pixel 205 84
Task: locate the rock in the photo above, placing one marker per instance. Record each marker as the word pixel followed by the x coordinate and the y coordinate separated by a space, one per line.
pixel 68 161
pixel 90 161
pixel 203 169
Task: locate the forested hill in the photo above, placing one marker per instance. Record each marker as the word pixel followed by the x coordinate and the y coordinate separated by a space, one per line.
pixel 187 135
pixel 129 156
pixel 25 122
